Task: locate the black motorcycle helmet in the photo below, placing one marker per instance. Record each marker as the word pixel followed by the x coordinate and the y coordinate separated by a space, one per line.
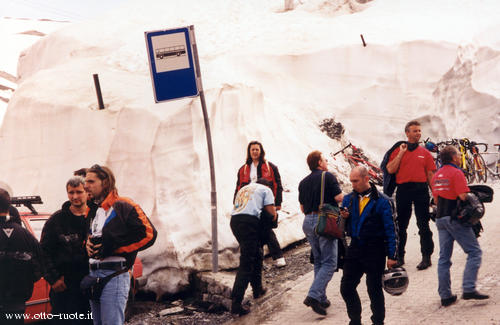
pixel 395 281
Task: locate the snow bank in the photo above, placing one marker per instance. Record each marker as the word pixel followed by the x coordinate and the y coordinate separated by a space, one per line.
pixel 269 75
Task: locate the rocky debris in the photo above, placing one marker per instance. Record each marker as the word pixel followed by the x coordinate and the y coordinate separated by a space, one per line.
pixel 334 130
pixel 209 301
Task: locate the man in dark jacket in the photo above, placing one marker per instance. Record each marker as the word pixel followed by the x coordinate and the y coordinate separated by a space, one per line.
pixel 20 265
pixel 371 236
pixel 63 246
pixel 117 232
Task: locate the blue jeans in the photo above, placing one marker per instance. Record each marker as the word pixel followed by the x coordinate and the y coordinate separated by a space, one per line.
pixel 110 309
pixel 324 251
pixel 449 231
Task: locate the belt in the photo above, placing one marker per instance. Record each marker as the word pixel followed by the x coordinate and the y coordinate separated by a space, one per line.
pixel 108 266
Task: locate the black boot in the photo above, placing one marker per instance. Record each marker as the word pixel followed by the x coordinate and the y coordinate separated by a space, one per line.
pixel 426 262
pixel 237 308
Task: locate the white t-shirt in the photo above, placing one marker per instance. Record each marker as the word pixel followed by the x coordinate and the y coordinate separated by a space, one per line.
pixel 253 173
pixel 96 231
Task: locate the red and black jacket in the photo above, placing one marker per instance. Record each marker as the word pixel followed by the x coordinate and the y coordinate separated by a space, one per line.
pixel 127 229
pixel 265 170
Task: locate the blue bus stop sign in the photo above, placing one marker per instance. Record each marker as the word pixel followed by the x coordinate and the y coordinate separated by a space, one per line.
pixel 172 64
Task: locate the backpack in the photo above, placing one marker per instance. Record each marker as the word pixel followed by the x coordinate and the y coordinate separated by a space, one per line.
pixel 389 182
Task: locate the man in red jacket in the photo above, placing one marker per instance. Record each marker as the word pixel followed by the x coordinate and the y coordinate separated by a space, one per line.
pixel 119 230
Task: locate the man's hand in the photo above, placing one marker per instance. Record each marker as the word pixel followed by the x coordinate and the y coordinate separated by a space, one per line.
pixel 391 263
pixel 59 285
pixel 402 148
pixel 278 208
pixel 92 250
pixel 344 212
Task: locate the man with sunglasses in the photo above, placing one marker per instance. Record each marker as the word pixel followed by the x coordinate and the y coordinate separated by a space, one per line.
pixel 119 230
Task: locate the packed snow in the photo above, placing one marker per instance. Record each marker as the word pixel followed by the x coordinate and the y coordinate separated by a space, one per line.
pixel 269 74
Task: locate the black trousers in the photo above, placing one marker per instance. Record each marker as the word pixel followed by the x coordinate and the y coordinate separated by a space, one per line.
pixel 273 244
pixel 69 301
pixel 354 267
pixel 418 195
pixel 246 230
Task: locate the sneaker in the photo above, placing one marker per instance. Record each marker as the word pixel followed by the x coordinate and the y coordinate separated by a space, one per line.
pixel 448 301
pixel 280 262
pixel 315 305
pixel 426 262
pixel 239 309
pixel 474 295
pixel 259 293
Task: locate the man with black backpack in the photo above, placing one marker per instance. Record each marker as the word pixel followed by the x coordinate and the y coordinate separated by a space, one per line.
pixel 448 187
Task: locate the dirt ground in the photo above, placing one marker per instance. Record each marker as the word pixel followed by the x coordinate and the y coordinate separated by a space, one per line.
pixel 192 311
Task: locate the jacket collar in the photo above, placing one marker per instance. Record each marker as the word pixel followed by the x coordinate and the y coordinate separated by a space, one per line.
pixel 109 200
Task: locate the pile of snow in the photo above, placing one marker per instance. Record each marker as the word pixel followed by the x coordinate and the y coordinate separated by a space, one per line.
pixel 17 35
pixel 269 75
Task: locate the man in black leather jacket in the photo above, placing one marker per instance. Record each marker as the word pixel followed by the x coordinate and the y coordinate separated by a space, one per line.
pixel 63 244
pixel 20 265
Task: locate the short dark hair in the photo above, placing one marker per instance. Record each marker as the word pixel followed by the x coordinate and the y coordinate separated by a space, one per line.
pixel 313 159
pixel 447 154
pixel 262 152
pixel 265 182
pixel 81 172
pixel 4 201
pixel 106 176
pixel 411 123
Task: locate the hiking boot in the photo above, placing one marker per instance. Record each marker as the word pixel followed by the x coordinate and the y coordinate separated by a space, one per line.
pixel 325 304
pixel 426 262
pixel 239 309
pixel 315 305
pixel 280 262
pixel 259 293
pixel 474 295
pixel 448 301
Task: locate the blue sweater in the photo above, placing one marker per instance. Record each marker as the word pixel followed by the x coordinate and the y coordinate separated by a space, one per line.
pixel 375 225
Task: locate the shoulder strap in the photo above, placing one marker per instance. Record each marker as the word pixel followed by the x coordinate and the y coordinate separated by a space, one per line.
pixel 322 189
pixel 109 277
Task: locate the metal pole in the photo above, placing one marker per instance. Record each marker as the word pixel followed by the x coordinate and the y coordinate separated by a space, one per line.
pixel 98 91
pixel 213 191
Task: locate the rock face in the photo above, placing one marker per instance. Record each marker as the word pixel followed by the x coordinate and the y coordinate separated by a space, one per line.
pixel 269 75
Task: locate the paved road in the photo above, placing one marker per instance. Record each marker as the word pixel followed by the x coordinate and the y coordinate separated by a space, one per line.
pixel 420 304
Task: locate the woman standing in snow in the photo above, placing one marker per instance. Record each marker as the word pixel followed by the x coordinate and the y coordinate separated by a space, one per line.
pixel 255 167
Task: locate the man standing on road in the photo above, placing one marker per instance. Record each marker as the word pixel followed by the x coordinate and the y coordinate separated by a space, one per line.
pixel 324 250
pixel 250 201
pixel 448 184
pixel 119 230
pixel 20 265
pixel 414 168
pixel 370 237
pixel 63 246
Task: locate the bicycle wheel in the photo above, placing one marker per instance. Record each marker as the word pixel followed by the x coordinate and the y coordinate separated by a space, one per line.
pixel 469 170
pixel 480 168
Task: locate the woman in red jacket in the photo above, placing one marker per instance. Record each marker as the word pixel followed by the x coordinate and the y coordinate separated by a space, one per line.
pixel 256 167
